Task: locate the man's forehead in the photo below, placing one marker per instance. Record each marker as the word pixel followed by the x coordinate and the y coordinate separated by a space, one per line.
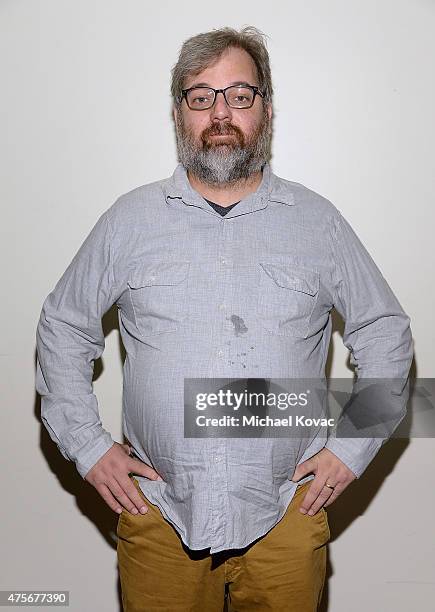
pixel 234 66
pixel 205 84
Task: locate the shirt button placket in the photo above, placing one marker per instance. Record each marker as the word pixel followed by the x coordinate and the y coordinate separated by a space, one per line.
pixel 223 278
pixel 219 491
pixel 218 462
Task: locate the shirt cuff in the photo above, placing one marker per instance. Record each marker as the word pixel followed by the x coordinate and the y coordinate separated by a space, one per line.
pixel 87 455
pixel 355 453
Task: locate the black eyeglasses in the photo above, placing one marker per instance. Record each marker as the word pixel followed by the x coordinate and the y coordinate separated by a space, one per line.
pixel 236 96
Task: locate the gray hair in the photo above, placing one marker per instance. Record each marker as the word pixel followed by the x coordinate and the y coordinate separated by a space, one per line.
pixel 199 52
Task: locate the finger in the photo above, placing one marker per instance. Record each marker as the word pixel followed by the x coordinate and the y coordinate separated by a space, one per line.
pixel 335 493
pixel 125 495
pixel 303 469
pixel 314 491
pixel 320 501
pixel 106 494
pixel 134 495
pixel 143 469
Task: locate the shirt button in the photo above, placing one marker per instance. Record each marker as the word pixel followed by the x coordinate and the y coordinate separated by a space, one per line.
pixel 218 459
pixel 152 278
pixel 221 306
pixel 223 261
pixel 220 353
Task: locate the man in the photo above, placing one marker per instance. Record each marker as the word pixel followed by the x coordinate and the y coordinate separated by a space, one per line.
pixel 223 270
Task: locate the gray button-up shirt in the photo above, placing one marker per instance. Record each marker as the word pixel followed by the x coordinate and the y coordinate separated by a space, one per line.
pixel 200 295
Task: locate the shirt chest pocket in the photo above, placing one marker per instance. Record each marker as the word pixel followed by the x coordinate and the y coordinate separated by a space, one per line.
pixel 159 297
pixel 287 297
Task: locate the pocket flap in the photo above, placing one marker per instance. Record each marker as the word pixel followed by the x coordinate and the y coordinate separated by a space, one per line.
pixel 291 277
pixel 165 273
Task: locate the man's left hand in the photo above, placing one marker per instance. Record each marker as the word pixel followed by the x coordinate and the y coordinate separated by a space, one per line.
pixel 327 468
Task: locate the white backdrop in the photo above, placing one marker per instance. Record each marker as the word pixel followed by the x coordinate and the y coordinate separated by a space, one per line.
pixel 86 117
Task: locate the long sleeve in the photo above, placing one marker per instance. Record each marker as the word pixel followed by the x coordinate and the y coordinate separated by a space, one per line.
pixel 69 337
pixel 378 335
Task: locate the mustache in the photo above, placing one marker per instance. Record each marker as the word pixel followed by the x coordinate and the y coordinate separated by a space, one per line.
pixel 221 130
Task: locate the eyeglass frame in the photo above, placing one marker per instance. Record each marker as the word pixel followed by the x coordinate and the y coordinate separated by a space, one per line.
pixel 254 88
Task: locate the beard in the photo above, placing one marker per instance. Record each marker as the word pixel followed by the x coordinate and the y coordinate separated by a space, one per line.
pixel 222 161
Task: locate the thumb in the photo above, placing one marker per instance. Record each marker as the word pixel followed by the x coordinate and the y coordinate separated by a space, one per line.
pixel 143 469
pixel 304 468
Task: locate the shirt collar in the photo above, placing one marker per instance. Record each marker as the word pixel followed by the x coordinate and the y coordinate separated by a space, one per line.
pixel 271 189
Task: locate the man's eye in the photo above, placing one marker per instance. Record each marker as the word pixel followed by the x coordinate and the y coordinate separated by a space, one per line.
pixel 200 100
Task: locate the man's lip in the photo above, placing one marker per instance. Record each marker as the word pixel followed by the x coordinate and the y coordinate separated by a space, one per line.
pixel 223 135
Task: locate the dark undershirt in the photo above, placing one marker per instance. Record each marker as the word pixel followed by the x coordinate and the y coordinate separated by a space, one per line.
pixel 222 210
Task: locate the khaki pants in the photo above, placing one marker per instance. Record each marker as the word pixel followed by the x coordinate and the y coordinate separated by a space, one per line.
pixel 283 571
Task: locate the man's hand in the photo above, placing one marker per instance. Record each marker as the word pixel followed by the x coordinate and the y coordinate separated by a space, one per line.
pixel 327 468
pixel 110 477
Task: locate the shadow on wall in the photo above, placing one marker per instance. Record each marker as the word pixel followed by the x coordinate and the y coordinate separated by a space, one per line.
pixel 88 500
pixel 352 503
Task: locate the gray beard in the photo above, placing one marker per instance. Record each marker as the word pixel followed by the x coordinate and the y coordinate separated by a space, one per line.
pixel 223 164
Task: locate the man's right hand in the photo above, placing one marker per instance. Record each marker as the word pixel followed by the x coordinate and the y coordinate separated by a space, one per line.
pixel 110 476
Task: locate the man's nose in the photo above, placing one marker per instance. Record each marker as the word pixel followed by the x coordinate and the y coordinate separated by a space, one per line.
pixel 220 108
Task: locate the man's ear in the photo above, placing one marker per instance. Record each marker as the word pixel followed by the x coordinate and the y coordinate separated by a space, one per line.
pixel 269 110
